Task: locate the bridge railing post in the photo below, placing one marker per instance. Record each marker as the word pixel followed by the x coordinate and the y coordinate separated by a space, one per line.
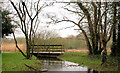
pixel 61 49
pixel 49 49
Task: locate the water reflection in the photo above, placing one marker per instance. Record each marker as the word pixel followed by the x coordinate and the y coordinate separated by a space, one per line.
pixel 54 64
pixel 92 71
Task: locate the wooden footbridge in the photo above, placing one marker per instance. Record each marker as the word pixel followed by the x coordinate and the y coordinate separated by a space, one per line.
pixel 47 50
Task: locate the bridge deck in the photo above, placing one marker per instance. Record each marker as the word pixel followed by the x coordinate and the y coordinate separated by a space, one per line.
pixel 47 50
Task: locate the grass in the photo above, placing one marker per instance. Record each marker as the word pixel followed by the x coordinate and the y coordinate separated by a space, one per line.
pixel 15 62
pixel 92 62
pixel 0 63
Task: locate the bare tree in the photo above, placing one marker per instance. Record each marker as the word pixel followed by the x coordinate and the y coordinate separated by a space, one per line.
pixel 118 39
pixel 28 16
pixel 90 21
pixel 113 48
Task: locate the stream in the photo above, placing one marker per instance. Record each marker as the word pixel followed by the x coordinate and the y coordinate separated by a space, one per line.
pixel 54 64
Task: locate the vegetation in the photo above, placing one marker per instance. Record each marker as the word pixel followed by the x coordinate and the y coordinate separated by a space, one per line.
pixel 14 61
pixel 92 62
pixel 6 23
pixel 68 42
pixel 0 62
pixel 92 22
pixel 113 53
pixel 27 28
pixel 118 39
pixel 96 20
pixel 28 15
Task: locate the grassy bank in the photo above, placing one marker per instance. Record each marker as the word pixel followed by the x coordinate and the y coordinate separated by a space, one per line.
pixel 0 63
pixel 92 62
pixel 14 61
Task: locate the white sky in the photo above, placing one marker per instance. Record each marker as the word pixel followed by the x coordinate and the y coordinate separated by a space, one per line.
pixel 59 12
pixel 56 9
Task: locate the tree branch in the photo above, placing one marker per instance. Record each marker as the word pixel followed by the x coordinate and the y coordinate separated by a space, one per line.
pixel 67 27
pixel 18 46
pixel 67 21
pixel 72 11
pixel 110 33
pixel 30 67
pixel 23 3
pixel 37 12
pixel 16 10
pixel 87 14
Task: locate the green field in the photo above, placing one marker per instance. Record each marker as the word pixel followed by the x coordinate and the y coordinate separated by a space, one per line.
pixel 0 63
pixel 92 62
pixel 14 61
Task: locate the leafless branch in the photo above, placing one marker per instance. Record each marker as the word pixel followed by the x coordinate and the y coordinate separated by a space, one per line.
pixel 67 21
pixel 81 20
pixel 23 3
pixel 31 67
pixel 16 10
pixel 68 27
pixel 72 11
pixel 37 12
pixel 110 33
pixel 17 45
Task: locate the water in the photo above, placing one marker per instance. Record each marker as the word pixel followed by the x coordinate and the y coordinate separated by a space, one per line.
pixel 54 64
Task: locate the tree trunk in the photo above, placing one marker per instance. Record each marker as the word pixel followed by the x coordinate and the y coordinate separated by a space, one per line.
pixel 104 36
pixel 93 43
pixel 87 14
pixel 104 48
pixel 95 35
pixel 27 48
pixel 87 40
pixel 100 47
pixel 118 40
pixel 104 55
pixel 113 48
pixel 89 47
pixel 18 46
pixel 99 24
pixel 96 45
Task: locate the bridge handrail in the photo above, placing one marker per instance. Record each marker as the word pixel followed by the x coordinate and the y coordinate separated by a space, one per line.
pixel 49 49
pixel 46 45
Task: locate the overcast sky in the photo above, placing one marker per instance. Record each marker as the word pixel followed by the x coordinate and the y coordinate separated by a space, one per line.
pixel 60 12
pixel 59 28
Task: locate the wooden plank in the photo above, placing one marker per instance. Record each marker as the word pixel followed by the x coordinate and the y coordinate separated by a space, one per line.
pixel 49 52
pixel 48 48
